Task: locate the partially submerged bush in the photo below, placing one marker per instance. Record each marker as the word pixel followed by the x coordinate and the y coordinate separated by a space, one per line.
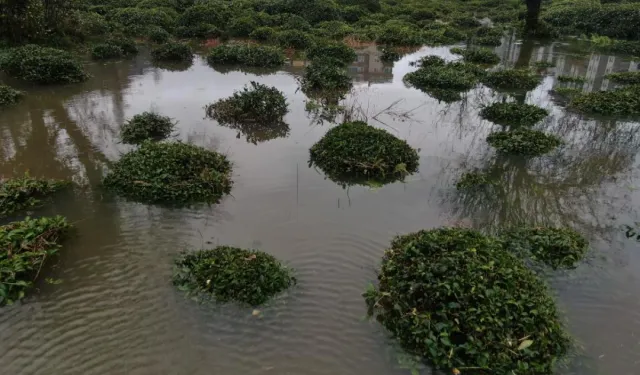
pixel 42 65
pixel 512 79
pixel 628 78
pixel 475 179
pixel 256 103
pixel 158 35
pixel 228 274
pixel 326 76
pixel 621 102
pixel 390 55
pixel 337 51
pixel 459 300
pixel 293 39
pixel 171 173
pixel 105 51
pixel 25 192
pixel 452 76
pixel 25 247
pixel 515 114
pixel 137 20
pixel 127 44
pixel 488 36
pixel 571 79
pixel 478 55
pixel 9 95
pixel 355 149
pixel 172 51
pixel 523 141
pixel 263 34
pixel 559 248
pixel 146 126
pixel 246 55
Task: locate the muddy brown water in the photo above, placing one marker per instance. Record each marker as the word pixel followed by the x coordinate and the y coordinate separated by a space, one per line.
pixel 117 313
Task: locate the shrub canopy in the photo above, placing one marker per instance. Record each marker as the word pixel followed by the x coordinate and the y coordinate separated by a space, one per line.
pixel 515 114
pixel 434 73
pixel 336 51
pixel 146 126
pixel 9 95
pixel 326 77
pixel 25 192
pixel 171 173
pixel 246 55
pixel 621 102
pixel 105 51
pixel 227 274
pixel 512 79
pixel 42 65
pixel 460 300
pixel 256 103
pixel 523 141
pixel 172 51
pixel 629 78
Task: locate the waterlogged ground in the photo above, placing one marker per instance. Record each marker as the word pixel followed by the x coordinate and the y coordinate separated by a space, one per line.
pixel 117 313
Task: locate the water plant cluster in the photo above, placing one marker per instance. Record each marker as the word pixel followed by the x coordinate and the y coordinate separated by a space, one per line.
pixel 624 101
pixel 256 104
pixel 172 51
pixel 513 114
pixel 523 141
pixel 42 65
pixel 512 79
pixel 9 95
pixel 627 78
pixel 26 192
pixel 225 273
pixel 326 77
pixel 246 55
pixel 571 79
pixel 146 126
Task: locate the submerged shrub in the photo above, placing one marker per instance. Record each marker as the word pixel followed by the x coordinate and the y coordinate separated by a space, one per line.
pixel 512 79
pixel 478 55
pixel 256 103
pixel 25 247
pixel 559 248
pixel 9 95
pixel 523 141
pixel 459 300
pixel 246 55
pixel 571 79
pixel 452 76
pixel 293 39
pixel 488 36
pixel 146 126
pixel 337 51
pixel 514 114
pixel 623 101
pixel 158 35
pixel 127 44
pixel 200 30
pixel 357 150
pixel 105 51
pixel 24 193
pixel 172 51
pixel 325 76
pixel 42 65
pixel 172 173
pixel 475 179
pixel 263 34
pixel 629 78
pixel 230 274
pixel 137 20
pixel 399 34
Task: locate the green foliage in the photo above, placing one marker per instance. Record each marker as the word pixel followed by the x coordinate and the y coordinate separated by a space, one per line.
pixel 460 300
pixel 355 150
pixel 472 180
pixel 456 76
pixel 172 51
pixel 326 77
pixel 336 51
pixel 628 78
pixel 158 35
pixel 171 173
pixel 137 20
pixel 200 30
pixel 488 36
pixel 42 65
pixel 25 247
pixel 335 29
pixel 568 92
pixel 399 34
pixel 227 274
pixel 515 114
pixel 92 24
pixel 623 101
pixel 246 55
pixel 263 34
pixel 104 51
pixel 293 39
pixel 256 103
pixel 146 126
pixel 593 18
pixel 543 65
pixel 512 79
pixel 242 26
pixel 523 141
pixel 157 4
pixel 390 55
pixel 9 95
pixel 559 248
pixel 24 193
pixel 571 79
pixel 127 44
pixel 478 55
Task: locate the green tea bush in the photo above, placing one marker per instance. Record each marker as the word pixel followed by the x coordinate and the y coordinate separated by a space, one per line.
pixel 42 65
pixel 568 92
pixel 514 114
pixel 25 247
pixel 25 193
pixel 452 76
pixel 172 51
pixel 263 34
pixel 201 30
pixel 336 29
pixel 229 274
pixel 158 35
pixel 337 51
pixel 472 180
pixel 137 20
pixel 246 55
pixel 256 103
pixel 461 301
pixel 389 55
pixel 9 95
pixel 127 44
pixel 628 78
pixel 149 4
pixel 592 18
pixel 355 149
pixel 559 248
pixel 399 34
pixel 488 36
pixel 620 102
pixel 171 173
pixel 478 55
pixel 242 26
pixel 466 21
pixel 293 39
pixel 214 14
pixel 91 24
pixel 146 126
pixel 325 75
pixel 523 141
pixel 294 22
pixel 571 79
pixel 512 79
pixel 104 51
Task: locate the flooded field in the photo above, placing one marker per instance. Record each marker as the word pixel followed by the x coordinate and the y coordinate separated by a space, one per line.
pixel 116 311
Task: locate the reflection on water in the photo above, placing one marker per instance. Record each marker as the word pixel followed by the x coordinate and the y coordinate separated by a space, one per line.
pixel 116 312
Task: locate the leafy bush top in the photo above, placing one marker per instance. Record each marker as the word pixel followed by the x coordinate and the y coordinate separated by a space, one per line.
pixel 326 77
pixel 227 274
pixel 293 39
pixel 514 114
pixel 256 103
pixel 337 51
pixel 512 79
pixel 138 19
pixel 572 79
pixel 559 248
pixel 246 55
pixel 629 78
pixel 171 173
pixel 452 76
pixel 523 141
pixel 24 247
pixel 105 51
pixel 355 149
pixel 9 95
pixel 158 35
pixel 622 102
pixel 460 300
pixel 146 126
pixel 478 55
pixel 26 192
pixel 172 51
pixel 42 65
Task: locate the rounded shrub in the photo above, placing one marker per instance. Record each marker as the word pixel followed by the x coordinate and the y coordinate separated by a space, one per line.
pixel 512 79
pixel 357 150
pixel 25 193
pixel 137 20
pixel 452 76
pixel 42 65
pixel 263 34
pixel 230 274
pixel 627 78
pixel 336 51
pixel 172 51
pixel 146 126
pixel 559 248
pixel 171 173
pixel 293 39
pixel 523 141
pixel 125 43
pixel 9 95
pixel 246 55
pixel 461 301
pixel 620 102
pixel 513 114
pixel 158 35
pixel 256 103
pixel 200 30
pixel 104 51
pixel 326 76
pixel 390 55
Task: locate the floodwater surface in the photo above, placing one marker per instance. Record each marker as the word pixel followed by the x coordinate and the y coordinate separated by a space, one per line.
pixel 116 312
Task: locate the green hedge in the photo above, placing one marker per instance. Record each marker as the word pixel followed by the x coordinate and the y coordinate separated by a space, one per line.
pixel 256 103
pixel 613 20
pixel 246 55
pixel 42 65
pixel 514 114
pixel 172 51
